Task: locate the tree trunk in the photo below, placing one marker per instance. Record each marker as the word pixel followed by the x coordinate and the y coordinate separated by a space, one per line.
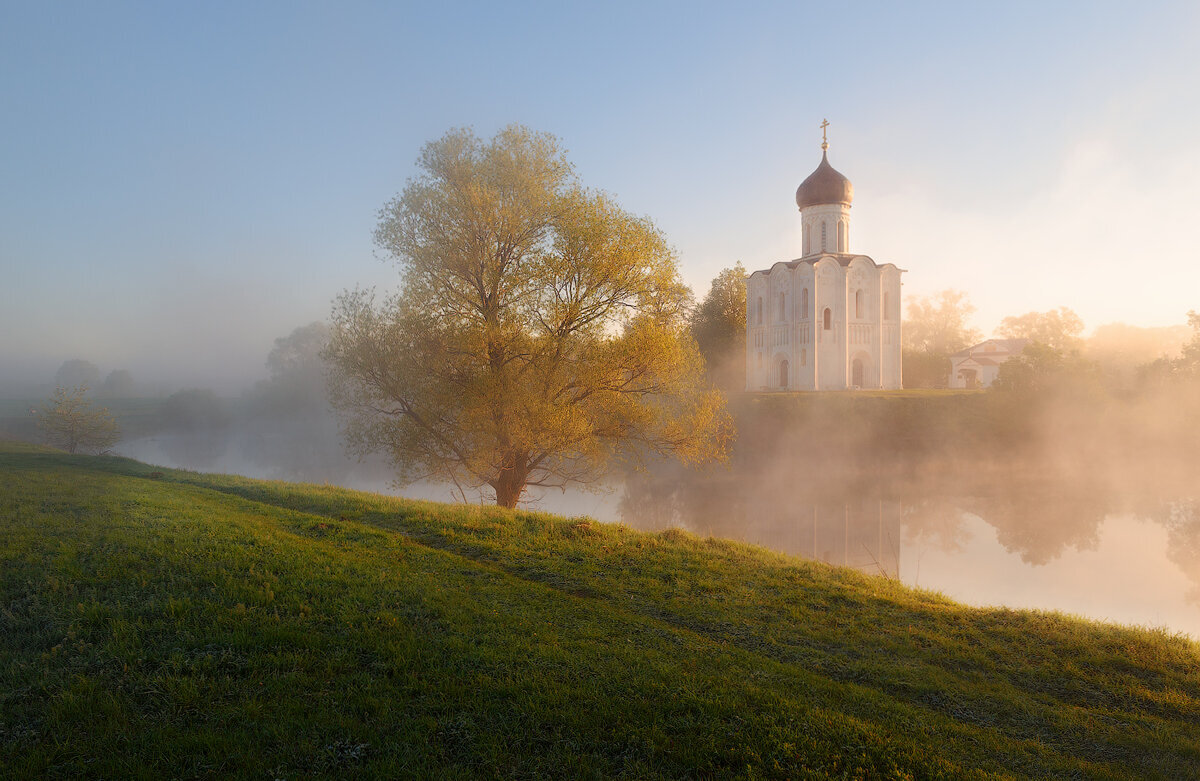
pixel 510 484
pixel 508 495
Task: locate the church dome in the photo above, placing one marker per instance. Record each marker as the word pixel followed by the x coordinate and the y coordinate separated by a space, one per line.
pixel 824 186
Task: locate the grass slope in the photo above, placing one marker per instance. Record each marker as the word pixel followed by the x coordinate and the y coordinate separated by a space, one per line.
pixel 156 623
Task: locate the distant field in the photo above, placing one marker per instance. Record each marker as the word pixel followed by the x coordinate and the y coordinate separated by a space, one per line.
pixel 136 417
pixel 912 393
pixel 171 624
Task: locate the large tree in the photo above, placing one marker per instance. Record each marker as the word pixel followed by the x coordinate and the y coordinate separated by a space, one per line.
pixel 539 332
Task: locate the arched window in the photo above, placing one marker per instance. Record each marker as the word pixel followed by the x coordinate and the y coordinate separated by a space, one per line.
pixel 807 238
pixel 822 235
pixel 858 303
pixel 803 357
pixel 783 374
pixel 841 235
pixel 782 307
pixel 887 310
pixel 828 319
pixel 804 305
pixel 758 311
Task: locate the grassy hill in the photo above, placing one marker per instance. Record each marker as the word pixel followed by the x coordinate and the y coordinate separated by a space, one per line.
pixel 170 624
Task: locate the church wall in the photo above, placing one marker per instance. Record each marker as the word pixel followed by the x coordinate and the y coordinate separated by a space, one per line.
pixel 862 304
pixel 779 336
pixel 861 326
pixel 830 347
pixel 802 281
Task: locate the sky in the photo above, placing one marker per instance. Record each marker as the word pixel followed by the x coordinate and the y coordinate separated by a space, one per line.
pixel 182 183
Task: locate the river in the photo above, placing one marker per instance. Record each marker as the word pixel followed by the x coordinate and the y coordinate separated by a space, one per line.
pixel 1124 549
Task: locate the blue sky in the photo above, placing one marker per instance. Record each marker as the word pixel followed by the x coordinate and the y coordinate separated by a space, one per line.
pixel 182 183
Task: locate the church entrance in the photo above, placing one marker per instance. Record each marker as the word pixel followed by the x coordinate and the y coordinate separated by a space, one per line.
pixel 856 373
pixel 783 374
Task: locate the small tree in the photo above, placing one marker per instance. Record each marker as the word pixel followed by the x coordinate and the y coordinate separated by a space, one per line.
pixel 117 385
pixel 938 324
pixel 719 328
pixel 935 328
pixel 1042 371
pixel 1059 328
pixel 76 372
pixel 70 421
pixel 1184 369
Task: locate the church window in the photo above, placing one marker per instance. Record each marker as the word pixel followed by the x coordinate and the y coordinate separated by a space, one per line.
pixel 782 307
pixel 807 238
pixel 804 305
pixel 804 357
pixel 841 235
pixel 858 303
pixel 823 235
pixel 783 374
pixel 828 319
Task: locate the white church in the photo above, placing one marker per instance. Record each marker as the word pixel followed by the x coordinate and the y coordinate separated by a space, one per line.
pixel 830 319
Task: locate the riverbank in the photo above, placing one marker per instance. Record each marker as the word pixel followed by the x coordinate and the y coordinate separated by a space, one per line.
pixel 171 623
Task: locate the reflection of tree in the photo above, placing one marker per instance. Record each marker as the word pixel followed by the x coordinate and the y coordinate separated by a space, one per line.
pixel 289 424
pixel 785 508
pixel 705 500
pixel 1040 518
pixel 1181 518
pixel 845 521
pixel 1183 542
pixel 195 427
pixel 935 521
pixel 649 500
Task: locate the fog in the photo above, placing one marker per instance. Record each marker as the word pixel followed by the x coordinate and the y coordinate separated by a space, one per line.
pixel 1071 498
pixel 1076 491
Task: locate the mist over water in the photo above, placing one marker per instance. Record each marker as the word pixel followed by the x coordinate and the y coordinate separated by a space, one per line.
pixel 1117 543
pixel 1072 498
pixel 1041 541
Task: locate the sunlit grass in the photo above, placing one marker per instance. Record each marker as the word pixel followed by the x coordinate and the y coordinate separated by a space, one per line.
pixel 162 623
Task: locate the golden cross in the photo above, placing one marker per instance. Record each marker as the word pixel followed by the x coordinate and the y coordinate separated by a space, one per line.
pixel 824 140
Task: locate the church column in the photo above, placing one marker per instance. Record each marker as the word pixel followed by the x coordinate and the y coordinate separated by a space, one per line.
pixel 879 314
pixel 846 303
pixel 817 322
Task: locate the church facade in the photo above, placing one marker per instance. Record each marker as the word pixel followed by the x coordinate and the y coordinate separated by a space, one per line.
pixel 830 319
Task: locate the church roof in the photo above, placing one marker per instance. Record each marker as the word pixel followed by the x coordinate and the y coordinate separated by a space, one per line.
pixel 824 185
pixel 844 259
pixel 1000 347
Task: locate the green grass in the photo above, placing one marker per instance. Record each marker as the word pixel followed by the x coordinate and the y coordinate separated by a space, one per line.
pixel 156 623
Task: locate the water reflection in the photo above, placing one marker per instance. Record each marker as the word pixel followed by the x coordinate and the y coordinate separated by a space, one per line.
pixel 1119 549
pixel 1121 545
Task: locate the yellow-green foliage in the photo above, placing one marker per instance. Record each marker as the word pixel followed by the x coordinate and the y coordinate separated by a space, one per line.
pixel 539 329
pixel 157 623
pixel 71 421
